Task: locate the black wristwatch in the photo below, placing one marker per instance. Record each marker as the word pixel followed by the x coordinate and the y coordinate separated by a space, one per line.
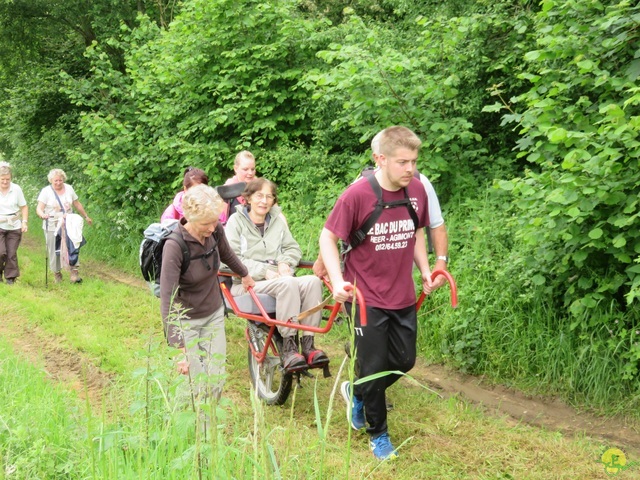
pixel 443 257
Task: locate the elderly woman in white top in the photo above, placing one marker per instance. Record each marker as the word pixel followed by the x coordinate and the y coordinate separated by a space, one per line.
pixel 14 214
pixel 54 203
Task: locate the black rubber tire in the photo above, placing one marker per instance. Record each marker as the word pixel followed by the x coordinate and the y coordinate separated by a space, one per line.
pixel 272 384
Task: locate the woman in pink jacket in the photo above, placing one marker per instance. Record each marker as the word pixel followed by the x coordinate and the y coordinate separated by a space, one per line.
pixel 192 176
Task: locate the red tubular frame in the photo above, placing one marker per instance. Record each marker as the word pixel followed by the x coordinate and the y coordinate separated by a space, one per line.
pixel 272 323
pixel 264 316
pixel 452 287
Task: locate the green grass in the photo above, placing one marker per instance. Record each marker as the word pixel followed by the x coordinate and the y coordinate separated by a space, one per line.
pixel 160 438
pixel 144 427
pixel 41 424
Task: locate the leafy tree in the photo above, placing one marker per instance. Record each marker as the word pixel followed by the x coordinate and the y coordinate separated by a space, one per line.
pixel 38 40
pixel 431 73
pixel 579 203
pixel 579 125
pixel 223 77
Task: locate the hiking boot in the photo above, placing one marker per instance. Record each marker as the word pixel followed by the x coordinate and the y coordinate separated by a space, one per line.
pixel 314 357
pixel 11 281
pixel 57 277
pixel 355 408
pixel 382 448
pixel 74 276
pixel 292 361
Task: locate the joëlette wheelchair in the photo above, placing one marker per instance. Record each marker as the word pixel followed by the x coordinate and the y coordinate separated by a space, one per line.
pixel 273 385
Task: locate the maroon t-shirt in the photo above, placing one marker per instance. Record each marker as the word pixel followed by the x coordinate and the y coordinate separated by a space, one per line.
pixel 381 266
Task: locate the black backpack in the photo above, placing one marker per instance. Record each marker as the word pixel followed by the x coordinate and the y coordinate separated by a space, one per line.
pixel 358 236
pixel 155 237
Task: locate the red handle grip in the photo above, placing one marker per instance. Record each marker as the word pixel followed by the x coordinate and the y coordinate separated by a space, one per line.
pixel 359 300
pixel 363 306
pixel 452 286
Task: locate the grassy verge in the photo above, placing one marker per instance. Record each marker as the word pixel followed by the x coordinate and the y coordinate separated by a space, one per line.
pixel 507 329
pixel 41 425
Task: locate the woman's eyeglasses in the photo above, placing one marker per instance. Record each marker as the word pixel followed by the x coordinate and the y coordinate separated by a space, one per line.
pixel 261 196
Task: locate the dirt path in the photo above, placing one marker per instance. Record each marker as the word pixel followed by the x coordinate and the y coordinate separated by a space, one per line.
pixel 78 373
pixel 61 364
pixel 68 367
pixel 548 413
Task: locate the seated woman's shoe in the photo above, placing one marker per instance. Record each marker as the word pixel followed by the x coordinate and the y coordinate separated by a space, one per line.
pixel 292 361
pixel 313 356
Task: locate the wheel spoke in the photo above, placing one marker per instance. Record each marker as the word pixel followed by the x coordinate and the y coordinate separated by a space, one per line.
pixel 268 377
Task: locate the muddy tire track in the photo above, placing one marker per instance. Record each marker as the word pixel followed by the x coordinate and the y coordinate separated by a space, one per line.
pixel 517 407
pixel 61 365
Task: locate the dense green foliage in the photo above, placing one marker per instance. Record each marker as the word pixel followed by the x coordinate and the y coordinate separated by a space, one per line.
pixel 579 125
pixel 583 132
pixel 39 39
pixel 192 95
pixel 540 100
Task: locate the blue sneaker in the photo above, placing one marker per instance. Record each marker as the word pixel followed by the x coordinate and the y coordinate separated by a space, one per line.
pixel 355 408
pixel 382 448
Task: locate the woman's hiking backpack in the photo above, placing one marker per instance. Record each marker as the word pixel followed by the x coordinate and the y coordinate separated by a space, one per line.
pixel 155 236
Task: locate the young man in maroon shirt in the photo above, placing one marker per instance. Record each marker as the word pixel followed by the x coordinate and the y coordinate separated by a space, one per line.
pixel 381 268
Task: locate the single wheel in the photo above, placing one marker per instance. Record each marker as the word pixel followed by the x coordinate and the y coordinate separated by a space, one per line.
pixel 268 378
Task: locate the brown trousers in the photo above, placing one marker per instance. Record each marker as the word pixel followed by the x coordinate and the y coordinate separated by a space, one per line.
pixel 9 242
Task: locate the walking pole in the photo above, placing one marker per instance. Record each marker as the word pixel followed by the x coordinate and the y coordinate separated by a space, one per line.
pixel 46 255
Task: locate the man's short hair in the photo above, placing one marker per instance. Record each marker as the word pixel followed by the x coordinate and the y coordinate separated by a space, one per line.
pixel 375 143
pixel 395 137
